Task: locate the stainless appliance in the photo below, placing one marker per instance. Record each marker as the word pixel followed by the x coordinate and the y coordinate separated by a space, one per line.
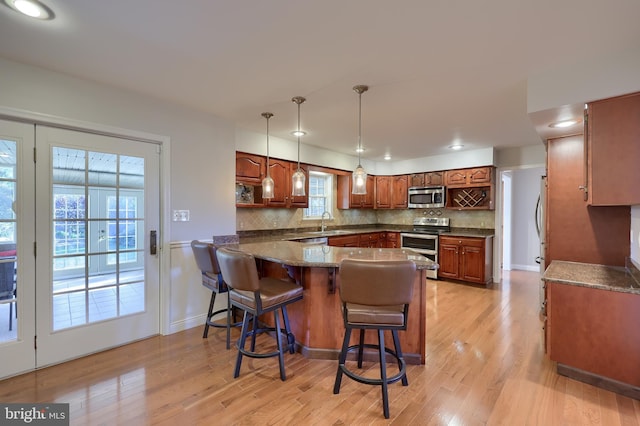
pixel 424 238
pixel 430 197
pixel 541 230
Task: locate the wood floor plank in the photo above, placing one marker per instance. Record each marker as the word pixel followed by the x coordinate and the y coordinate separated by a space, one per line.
pixel 485 365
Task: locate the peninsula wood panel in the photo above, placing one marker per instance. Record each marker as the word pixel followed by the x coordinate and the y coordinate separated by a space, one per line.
pixel 317 322
pixel 577 232
pixel 595 330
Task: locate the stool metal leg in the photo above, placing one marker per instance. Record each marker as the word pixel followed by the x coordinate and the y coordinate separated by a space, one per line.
pixel 360 347
pixel 228 320
pixel 396 344
pixel 341 361
pixel 279 341
pixel 383 374
pixel 209 313
pixel 291 339
pixel 241 343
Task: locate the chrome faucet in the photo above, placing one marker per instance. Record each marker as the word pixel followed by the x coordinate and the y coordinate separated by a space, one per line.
pixel 322 225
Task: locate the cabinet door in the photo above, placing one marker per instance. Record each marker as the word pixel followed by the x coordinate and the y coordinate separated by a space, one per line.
pixel 479 175
pixel 393 239
pixel 383 192
pixel 369 197
pixel 345 241
pixel 369 240
pixel 472 268
pixel 250 168
pixel 448 258
pixel 279 171
pixel 298 201
pixel 455 177
pixel 399 192
pixel 434 178
pixel 613 151
pixel 416 179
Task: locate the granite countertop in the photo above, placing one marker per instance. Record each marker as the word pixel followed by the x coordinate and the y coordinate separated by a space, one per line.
pixel 319 255
pixel 292 235
pixel 614 278
pixel 470 232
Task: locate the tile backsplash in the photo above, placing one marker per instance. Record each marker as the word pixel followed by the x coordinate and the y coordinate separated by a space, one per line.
pixel 253 219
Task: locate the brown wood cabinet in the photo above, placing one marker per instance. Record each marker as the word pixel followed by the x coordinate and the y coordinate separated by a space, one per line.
pixel 426 179
pixel 594 330
pixel 613 151
pixel 466 259
pixel 281 172
pixel 345 241
pixel 250 168
pixel 347 200
pixel 371 240
pixel 472 176
pixel 574 231
pixel 391 192
pixel 392 240
pixel 470 189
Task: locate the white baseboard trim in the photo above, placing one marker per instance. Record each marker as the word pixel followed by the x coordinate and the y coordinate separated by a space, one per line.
pixel 531 268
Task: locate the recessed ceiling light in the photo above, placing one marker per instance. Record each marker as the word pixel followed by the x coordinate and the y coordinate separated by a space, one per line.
pixel 300 133
pixel 31 8
pixel 387 156
pixel 359 149
pixel 456 147
pixel 564 123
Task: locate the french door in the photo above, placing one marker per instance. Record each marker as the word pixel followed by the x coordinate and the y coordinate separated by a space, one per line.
pixel 91 222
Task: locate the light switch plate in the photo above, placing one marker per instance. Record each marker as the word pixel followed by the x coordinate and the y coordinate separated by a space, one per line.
pixel 181 215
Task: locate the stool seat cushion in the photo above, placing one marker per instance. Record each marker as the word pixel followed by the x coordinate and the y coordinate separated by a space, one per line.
pixel 272 292
pixel 375 315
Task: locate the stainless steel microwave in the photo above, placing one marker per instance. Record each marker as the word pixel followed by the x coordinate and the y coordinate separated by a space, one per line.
pixel 431 197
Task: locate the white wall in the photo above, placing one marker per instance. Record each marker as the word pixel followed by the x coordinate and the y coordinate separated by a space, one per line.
pixel 202 166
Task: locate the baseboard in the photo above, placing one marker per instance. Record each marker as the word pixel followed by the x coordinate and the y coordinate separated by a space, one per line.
pixel 599 381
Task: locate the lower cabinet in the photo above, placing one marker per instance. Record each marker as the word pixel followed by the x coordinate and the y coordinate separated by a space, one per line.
pixel 371 240
pixel 466 258
pixel 345 241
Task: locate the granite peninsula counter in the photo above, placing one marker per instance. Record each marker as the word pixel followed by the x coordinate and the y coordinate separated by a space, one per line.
pixel 316 320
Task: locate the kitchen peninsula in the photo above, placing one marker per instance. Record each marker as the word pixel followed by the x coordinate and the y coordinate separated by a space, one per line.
pixel 316 320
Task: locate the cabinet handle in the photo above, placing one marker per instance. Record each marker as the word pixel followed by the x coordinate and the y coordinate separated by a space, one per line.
pixel 586 191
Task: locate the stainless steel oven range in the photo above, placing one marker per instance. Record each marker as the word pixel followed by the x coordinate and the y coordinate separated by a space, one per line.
pixel 424 238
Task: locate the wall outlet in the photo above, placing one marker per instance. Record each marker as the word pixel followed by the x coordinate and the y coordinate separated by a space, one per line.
pixel 181 215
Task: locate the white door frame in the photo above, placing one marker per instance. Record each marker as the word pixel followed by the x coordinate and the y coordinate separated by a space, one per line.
pixel 13 114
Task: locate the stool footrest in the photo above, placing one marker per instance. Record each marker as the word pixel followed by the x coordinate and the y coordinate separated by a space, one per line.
pixel 370 381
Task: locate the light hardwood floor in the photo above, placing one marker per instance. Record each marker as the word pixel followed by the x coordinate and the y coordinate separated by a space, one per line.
pixel 485 365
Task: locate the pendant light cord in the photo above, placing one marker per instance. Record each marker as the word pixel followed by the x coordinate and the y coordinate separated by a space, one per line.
pixel 359 126
pixel 298 136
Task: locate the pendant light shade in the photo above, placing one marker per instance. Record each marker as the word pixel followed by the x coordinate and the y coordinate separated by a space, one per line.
pixel 298 178
pixel 359 175
pixel 267 182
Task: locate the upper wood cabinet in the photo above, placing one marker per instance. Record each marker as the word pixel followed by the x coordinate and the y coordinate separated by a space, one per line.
pixel 399 196
pixel 472 176
pixel 613 151
pixel 281 172
pixel 426 179
pixel 383 192
pixel 470 189
pixel 347 200
pixel 250 168
pixel 391 192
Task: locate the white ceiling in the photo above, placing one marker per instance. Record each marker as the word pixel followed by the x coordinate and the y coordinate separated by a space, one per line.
pixel 439 71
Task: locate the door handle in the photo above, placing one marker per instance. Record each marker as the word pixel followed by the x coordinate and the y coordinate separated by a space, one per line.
pixel 153 242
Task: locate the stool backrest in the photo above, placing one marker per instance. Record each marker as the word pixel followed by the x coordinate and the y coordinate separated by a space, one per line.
pixel 377 283
pixel 238 269
pixel 205 255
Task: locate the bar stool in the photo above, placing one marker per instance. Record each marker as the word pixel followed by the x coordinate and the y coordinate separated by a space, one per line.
pixel 257 296
pixel 375 295
pixel 205 256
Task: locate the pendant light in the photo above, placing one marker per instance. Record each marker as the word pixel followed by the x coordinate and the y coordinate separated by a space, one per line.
pixel 298 178
pixel 359 176
pixel 267 182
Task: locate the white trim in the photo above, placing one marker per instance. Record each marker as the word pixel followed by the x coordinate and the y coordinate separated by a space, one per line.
pixel 497 241
pixel 532 268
